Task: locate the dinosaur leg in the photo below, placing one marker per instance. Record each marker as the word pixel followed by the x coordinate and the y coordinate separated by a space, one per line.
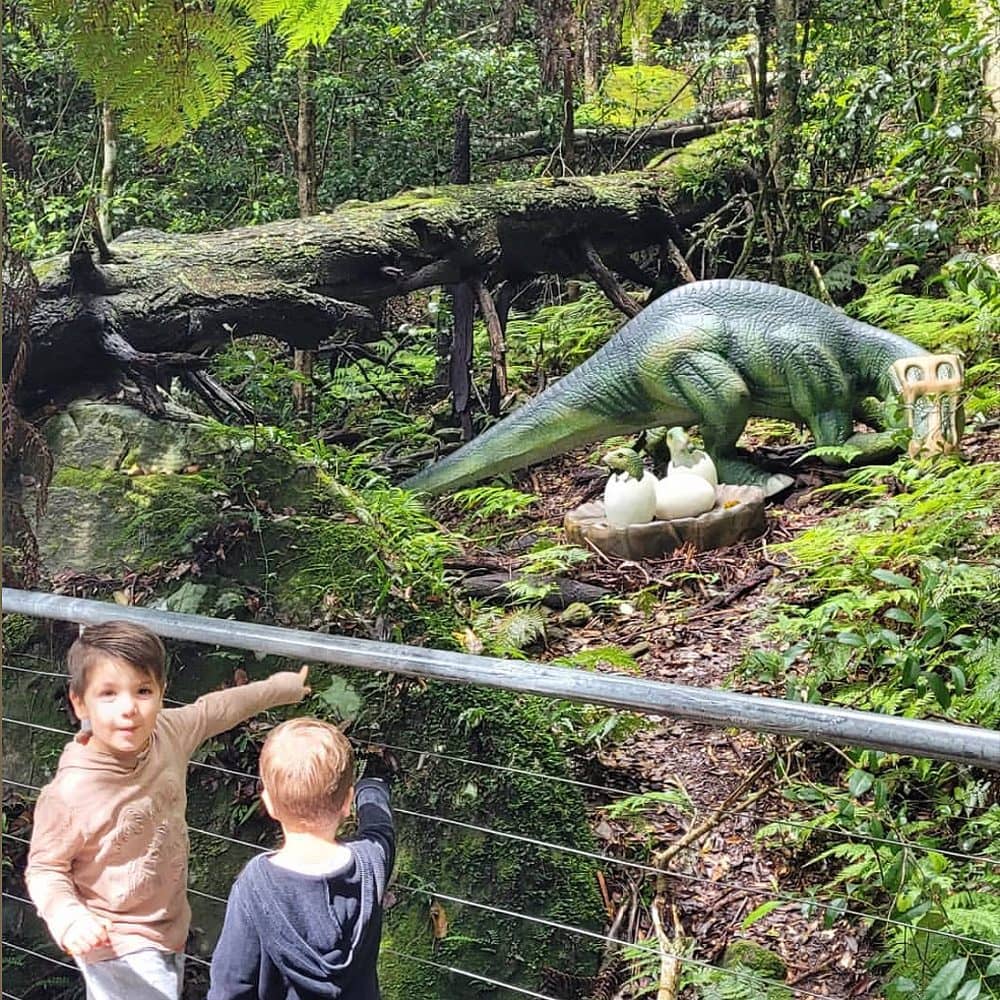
pixel 820 393
pixel 823 397
pixel 716 392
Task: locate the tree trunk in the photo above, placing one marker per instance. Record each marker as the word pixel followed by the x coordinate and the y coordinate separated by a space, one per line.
pixel 496 587
pixel 989 22
pixel 462 298
pixel 591 50
pixel 170 296
pixel 668 135
pixel 567 148
pixel 305 145
pixel 783 125
pixel 305 171
pixel 106 192
pixel 638 18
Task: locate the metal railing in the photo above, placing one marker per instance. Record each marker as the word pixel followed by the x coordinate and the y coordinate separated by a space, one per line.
pixel 725 709
pixel 967 745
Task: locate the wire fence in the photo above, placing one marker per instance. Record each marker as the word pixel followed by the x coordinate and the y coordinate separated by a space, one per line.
pixel 835 909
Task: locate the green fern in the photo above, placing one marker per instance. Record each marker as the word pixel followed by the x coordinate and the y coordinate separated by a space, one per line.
pixel 493 501
pixel 514 631
pixel 558 337
pixel 601 656
pixel 166 66
pixel 738 983
pixel 982 670
pixel 966 318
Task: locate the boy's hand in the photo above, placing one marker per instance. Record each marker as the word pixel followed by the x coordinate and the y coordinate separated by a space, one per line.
pixel 86 933
pixel 303 674
pixel 380 762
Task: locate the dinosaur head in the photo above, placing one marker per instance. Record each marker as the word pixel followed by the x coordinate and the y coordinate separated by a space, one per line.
pixel 680 446
pixel 625 460
pixel 930 387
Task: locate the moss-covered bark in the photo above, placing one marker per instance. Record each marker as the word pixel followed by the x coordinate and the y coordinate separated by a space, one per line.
pixel 306 280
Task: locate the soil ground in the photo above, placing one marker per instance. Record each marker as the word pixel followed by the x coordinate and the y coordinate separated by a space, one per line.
pixel 700 614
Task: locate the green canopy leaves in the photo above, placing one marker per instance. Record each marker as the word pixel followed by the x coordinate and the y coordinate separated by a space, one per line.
pixel 167 64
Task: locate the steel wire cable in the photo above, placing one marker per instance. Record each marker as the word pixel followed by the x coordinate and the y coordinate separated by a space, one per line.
pixel 542 776
pixel 639 866
pixel 231 840
pixel 621 792
pixel 583 932
pixel 399 954
pixel 478 977
pixel 626 793
pixel 65 677
pixel 28 902
pixel 524 772
pixel 683 876
pixel 556 925
pixel 8 996
pixel 635 865
pixel 37 954
pixel 191 889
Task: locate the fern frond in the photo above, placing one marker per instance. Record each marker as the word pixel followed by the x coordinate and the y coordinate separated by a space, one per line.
pixel 166 67
pixel 491 501
pixel 518 629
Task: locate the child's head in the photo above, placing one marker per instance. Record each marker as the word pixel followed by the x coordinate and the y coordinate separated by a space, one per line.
pixel 130 644
pixel 307 769
pixel 116 682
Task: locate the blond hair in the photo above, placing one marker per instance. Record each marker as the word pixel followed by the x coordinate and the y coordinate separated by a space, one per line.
pixel 117 640
pixel 307 769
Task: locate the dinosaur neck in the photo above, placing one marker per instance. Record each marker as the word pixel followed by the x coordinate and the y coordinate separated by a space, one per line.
pixel 874 354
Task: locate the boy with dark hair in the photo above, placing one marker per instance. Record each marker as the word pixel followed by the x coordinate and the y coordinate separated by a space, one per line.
pixel 107 867
pixel 305 922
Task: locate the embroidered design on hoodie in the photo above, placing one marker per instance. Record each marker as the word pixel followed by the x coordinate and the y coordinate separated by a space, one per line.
pixel 147 845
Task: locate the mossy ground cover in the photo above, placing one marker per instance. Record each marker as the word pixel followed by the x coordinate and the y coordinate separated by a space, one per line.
pixel 314 551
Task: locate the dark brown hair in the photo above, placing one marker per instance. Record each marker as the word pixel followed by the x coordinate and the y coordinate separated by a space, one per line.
pixel 117 640
pixel 307 767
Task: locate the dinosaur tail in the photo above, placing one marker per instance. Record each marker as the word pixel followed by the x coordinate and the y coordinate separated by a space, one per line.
pixel 588 404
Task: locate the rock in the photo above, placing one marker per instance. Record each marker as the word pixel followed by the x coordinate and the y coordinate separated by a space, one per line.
pixel 577 613
pixel 89 434
pixel 754 956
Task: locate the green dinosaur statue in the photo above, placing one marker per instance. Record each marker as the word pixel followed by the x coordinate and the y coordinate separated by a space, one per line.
pixel 712 353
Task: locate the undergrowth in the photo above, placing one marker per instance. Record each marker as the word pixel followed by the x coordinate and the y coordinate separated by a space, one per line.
pixel 896 609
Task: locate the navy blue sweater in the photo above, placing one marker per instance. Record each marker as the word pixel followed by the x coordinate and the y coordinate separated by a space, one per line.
pixel 289 936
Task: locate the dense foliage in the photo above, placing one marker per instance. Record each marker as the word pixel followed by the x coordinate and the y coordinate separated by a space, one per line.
pixel 874 180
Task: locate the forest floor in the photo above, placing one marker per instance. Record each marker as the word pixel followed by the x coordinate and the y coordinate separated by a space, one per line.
pixel 708 610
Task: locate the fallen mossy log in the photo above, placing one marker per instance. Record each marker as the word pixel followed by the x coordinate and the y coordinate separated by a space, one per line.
pixel 156 303
pixel 562 593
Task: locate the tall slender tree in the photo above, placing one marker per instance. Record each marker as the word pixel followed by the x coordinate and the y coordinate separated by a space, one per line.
pixel 308 184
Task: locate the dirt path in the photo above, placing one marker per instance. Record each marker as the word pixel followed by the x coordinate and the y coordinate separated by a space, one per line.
pixel 699 614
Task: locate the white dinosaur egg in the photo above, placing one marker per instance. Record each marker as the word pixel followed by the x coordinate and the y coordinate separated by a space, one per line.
pixel 682 494
pixel 629 501
pixel 703 467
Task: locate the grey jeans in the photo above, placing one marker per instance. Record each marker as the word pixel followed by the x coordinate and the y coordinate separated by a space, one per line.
pixel 149 974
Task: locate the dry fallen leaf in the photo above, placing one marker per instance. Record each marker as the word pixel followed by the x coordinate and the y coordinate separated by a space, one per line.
pixel 439 921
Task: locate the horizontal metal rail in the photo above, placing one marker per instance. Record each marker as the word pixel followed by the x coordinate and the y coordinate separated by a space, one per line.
pixel 722 709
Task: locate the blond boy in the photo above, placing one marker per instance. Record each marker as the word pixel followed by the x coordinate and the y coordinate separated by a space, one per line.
pixel 305 922
pixel 107 867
